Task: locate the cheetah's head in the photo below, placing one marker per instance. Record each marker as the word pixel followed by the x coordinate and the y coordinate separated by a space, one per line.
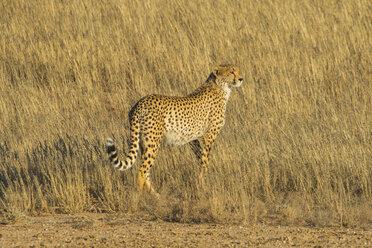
pixel 227 75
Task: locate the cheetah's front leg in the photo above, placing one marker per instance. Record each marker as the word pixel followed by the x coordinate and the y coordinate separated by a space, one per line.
pixel 209 139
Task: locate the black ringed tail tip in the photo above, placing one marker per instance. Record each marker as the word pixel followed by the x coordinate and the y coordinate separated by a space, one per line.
pixel 110 146
pixel 109 141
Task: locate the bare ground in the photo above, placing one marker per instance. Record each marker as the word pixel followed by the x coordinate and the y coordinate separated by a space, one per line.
pixel 126 230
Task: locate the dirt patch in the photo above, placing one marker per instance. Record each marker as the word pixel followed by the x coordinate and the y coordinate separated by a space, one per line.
pixel 126 230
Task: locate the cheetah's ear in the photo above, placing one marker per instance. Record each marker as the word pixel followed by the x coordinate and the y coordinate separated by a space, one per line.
pixel 215 70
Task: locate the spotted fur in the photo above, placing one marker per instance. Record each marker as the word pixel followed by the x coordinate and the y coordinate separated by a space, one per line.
pixel 178 120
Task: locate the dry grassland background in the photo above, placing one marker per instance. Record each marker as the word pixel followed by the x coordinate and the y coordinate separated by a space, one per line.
pixel 297 144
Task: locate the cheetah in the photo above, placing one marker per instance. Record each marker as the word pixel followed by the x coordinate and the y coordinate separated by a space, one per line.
pixel 177 120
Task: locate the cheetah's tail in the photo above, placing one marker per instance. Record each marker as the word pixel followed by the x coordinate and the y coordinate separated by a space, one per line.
pixel 113 156
pixel 134 144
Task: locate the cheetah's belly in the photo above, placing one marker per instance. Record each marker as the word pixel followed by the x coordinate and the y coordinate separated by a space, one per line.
pixel 173 137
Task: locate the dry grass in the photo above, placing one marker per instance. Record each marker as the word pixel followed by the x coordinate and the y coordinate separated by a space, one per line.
pixel 297 144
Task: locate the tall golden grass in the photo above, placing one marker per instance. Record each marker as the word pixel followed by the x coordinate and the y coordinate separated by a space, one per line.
pixel 297 144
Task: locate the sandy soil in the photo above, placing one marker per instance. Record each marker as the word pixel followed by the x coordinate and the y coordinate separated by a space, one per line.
pixel 125 230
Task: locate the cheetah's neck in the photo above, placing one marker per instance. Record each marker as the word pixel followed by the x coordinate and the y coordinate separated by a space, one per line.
pixel 227 92
pixel 212 83
pixel 224 86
